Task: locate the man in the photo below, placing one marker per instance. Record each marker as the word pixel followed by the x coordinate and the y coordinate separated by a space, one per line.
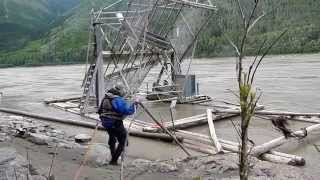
pixel 113 110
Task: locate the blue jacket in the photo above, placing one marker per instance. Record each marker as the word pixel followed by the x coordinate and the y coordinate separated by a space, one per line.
pixel 120 105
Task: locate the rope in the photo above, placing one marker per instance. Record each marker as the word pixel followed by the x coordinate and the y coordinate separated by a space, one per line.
pixel 123 155
pixel 85 158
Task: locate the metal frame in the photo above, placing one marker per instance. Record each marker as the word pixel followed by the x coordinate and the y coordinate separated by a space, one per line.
pixel 134 40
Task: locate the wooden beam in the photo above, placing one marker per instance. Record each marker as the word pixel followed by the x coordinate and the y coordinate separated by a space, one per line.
pixel 212 131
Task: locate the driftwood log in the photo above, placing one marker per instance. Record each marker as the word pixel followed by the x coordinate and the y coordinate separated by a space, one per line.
pixel 213 135
pixel 92 125
pixel 263 148
pixel 49 101
pixel 197 120
pixel 294 118
pixel 292 114
pixel 271 156
pixel 199 147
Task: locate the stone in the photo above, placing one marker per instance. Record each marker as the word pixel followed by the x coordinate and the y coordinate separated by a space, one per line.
pixel 39 139
pixel 82 138
pixel 98 155
pixel 21 132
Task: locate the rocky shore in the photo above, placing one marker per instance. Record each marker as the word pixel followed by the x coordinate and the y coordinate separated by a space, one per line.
pixel 28 146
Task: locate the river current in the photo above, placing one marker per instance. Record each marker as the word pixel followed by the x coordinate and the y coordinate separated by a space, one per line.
pixel 287 82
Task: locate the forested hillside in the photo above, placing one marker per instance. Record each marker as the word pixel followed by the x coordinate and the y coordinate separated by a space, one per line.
pixel 64 29
pixel 24 20
pixel 300 17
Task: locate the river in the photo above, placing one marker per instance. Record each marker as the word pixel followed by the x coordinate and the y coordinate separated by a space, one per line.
pixel 287 82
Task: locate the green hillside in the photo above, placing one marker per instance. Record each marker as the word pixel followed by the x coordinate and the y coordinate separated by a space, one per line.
pixel 300 17
pixel 24 20
pixel 64 40
pixel 65 33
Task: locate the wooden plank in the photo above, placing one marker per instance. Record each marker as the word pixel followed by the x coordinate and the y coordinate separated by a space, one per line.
pixel 212 131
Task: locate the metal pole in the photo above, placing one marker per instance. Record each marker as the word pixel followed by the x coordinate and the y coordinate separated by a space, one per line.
pixel 165 129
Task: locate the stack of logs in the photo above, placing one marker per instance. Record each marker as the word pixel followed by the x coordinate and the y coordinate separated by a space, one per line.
pixel 212 145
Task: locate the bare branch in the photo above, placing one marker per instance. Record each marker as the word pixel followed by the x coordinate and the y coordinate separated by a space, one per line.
pixel 255 59
pixel 256 2
pixel 242 13
pixel 244 38
pixel 255 21
pixel 266 52
pixel 233 44
pixel 236 129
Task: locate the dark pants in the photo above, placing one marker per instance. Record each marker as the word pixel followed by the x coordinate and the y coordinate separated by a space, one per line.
pixel 117 134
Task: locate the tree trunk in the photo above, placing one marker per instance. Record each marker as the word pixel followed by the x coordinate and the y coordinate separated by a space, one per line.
pixel 244 162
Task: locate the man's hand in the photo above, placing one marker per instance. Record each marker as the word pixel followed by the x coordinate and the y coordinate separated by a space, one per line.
pixel 136 100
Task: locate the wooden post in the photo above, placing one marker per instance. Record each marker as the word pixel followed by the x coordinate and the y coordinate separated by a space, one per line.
pixel 165 129
pixel 263 148
pixel 212 131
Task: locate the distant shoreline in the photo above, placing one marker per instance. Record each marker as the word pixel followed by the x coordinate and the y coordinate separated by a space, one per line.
pixel 5 66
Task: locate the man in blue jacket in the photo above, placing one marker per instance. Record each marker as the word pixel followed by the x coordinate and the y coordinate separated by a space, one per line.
pixel 113 110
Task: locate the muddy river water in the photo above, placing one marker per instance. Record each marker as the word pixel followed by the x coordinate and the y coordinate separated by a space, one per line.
pixel 288 82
